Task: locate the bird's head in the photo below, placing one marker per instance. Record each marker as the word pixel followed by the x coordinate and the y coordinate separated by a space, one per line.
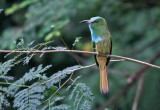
pixel 96 23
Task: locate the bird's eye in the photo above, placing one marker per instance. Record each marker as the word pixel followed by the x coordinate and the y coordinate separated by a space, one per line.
pixel 96 21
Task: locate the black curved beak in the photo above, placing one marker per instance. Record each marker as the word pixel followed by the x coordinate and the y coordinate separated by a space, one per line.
pixel 85 21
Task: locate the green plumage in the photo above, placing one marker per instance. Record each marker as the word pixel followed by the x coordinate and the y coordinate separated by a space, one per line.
pixel 101 43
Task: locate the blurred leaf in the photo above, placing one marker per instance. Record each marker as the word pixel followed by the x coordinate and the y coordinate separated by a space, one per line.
pixel 16 7
pixel 49 36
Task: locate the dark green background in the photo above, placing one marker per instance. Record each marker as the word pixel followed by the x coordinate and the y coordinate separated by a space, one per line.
pixel 134 27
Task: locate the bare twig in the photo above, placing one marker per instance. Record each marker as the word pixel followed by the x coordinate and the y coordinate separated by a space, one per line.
pixel 138 92
pixel 13 84
pixel 117 60
pixel 136 61
pixel 84 52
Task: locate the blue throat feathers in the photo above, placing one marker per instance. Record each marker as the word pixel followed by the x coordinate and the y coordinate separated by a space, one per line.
pixel 95 38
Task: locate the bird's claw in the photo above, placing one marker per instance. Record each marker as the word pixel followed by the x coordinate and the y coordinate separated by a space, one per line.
pixel 97 54
pixel 107 55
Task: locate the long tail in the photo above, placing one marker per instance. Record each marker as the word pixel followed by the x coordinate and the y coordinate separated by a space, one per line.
pixel 104 87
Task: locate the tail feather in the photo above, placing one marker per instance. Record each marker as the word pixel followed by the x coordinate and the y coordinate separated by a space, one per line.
pixel 104 87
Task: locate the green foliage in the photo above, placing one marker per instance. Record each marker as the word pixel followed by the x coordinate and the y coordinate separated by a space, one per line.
pixel 31 96
pixel 4 101
pixel 62 74
pixel 28 98
pixel 81 95
pixel 29 91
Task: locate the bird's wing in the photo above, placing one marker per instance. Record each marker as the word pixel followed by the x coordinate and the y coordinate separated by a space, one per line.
pixel 110 52
pixel 93 49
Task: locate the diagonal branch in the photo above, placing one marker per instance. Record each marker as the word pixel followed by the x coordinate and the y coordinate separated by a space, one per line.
pixel 84 52
pixel 138 92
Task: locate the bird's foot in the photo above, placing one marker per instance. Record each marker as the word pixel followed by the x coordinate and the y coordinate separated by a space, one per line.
pixel 97 54
pixel 108 55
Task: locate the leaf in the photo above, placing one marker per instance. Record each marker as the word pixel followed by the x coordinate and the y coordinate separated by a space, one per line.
pixel 76 41
pixel 7 77
pixel 6 66
pixel 16 7
pixel 29 98
pixel 53 106
pixel 29 76
pixel 20 43
pixel 3 101
pixel 80 94
pixel 73 82
pixel 49 36
pixel 60 75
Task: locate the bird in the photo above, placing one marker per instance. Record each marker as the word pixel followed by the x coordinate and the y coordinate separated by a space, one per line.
pixel 101 43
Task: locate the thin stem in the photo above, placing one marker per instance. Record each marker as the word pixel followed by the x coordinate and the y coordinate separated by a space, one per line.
pixel 49 102
pixel 13 84
pixel 64 42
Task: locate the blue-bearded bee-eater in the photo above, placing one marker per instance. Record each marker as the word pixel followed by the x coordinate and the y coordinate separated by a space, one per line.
pixel 101 43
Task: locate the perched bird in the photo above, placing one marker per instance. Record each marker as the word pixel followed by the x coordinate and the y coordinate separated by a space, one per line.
pixel 101 43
